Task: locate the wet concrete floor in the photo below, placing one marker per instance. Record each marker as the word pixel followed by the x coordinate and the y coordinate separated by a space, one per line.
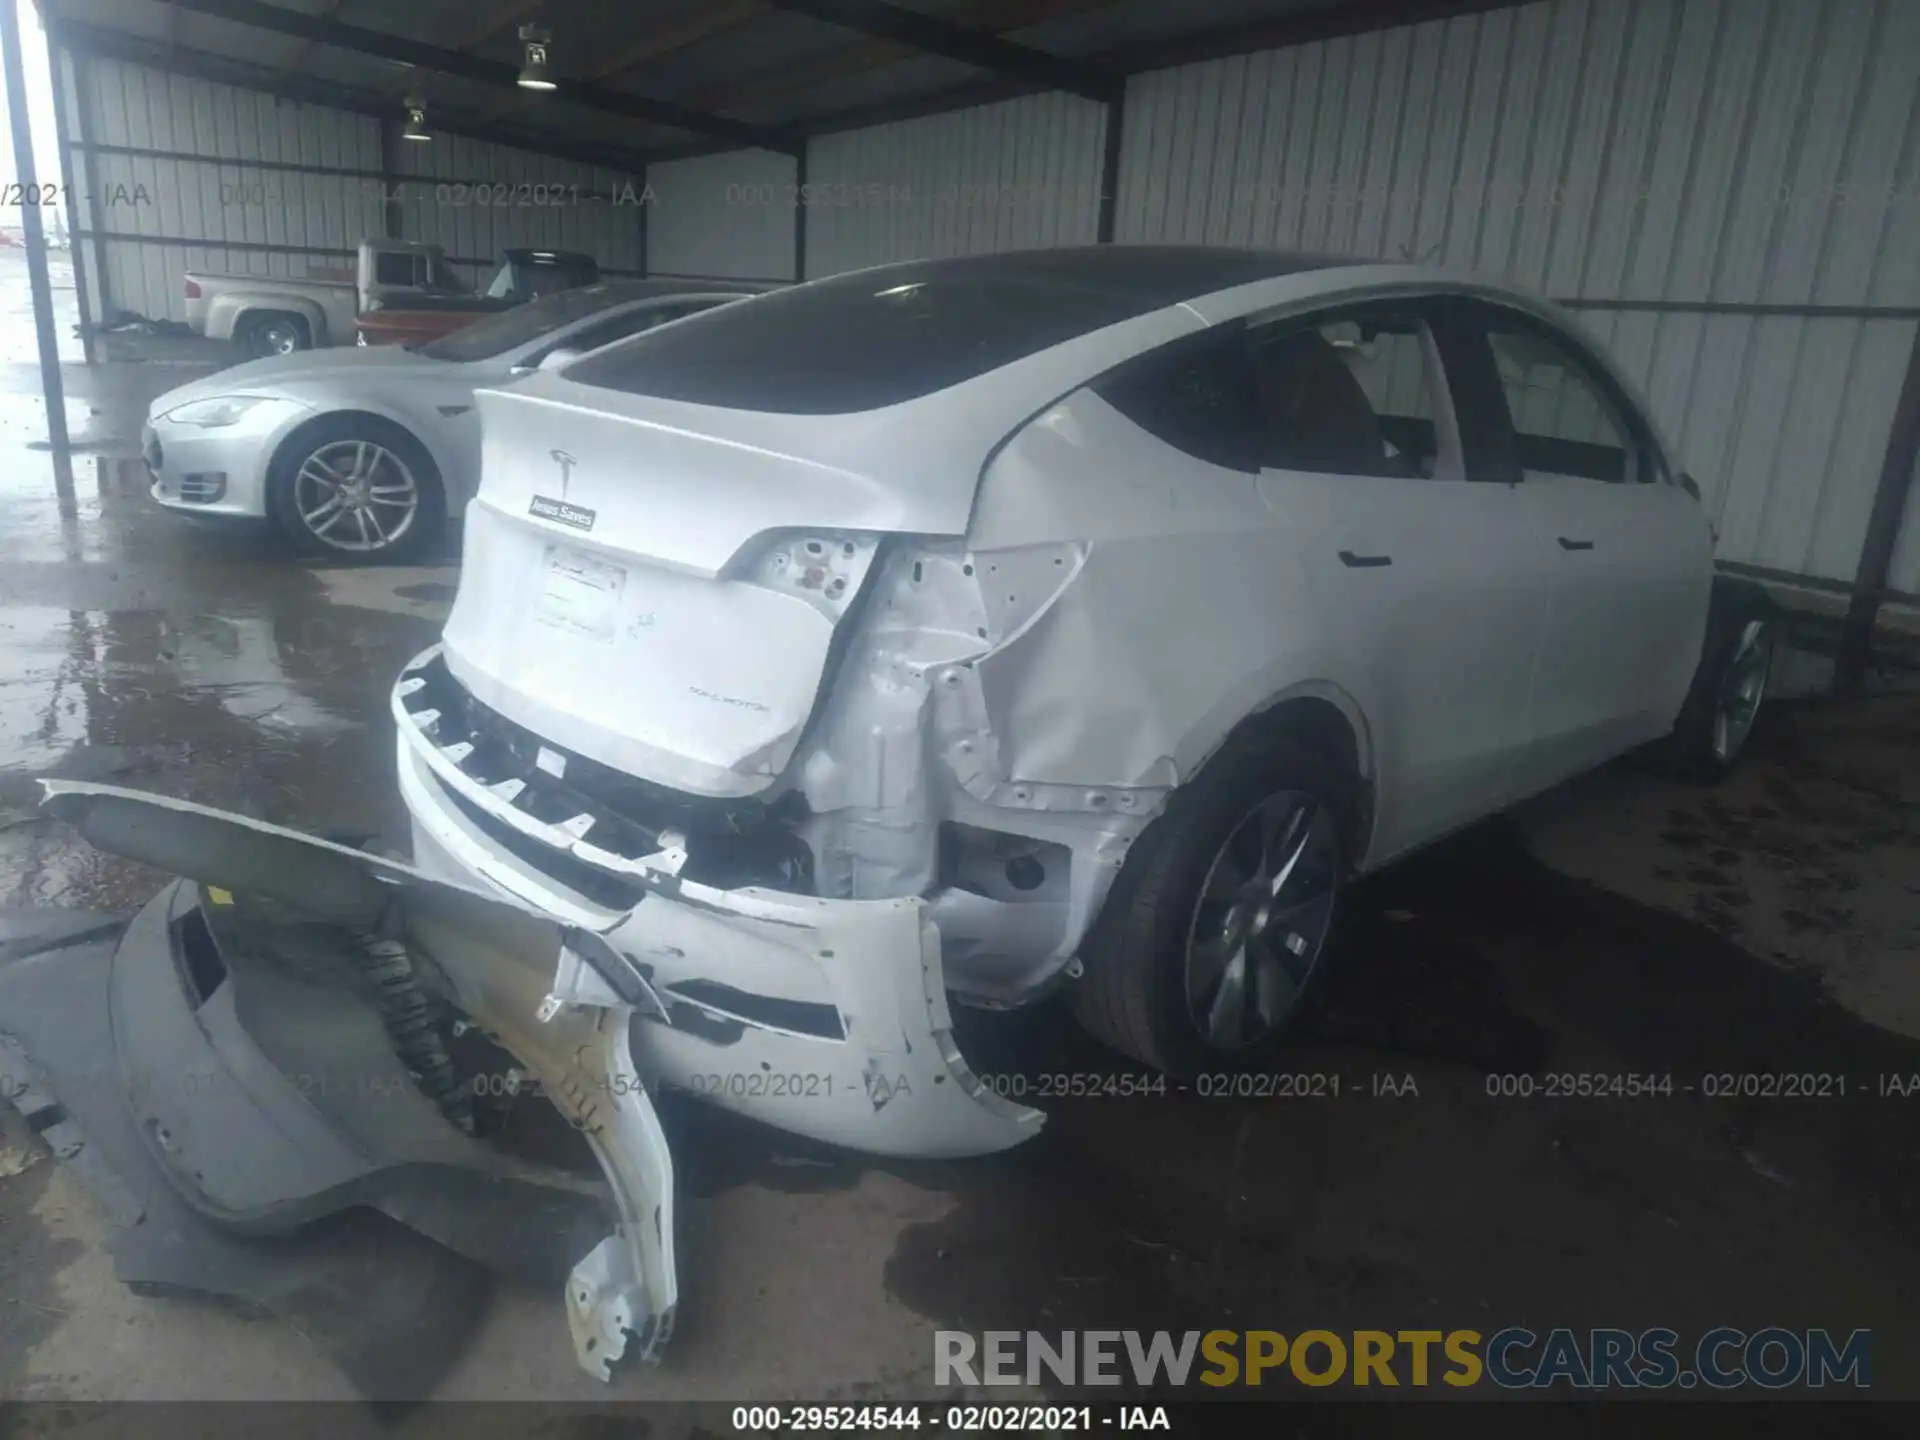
pixel 1626 925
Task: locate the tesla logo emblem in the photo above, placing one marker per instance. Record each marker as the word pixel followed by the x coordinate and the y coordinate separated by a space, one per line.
pixel 566 463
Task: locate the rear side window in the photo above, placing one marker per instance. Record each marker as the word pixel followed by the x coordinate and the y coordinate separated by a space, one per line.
pixel 1347 395
pixel 860 341
pixel 1196 395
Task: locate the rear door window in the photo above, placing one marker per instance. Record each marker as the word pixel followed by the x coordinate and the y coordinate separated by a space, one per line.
pixel 1354 393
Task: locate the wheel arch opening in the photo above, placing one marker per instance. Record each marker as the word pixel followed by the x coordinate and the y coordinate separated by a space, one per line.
pixel 302 434
pixel 1318 722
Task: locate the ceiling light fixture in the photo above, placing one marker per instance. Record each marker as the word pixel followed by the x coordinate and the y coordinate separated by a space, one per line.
pixel 416 119
pixel 534 40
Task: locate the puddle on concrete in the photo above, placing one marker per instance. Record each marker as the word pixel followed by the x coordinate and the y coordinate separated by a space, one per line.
pixel 196 659
pixel 1414 1198
pixel 1448 1207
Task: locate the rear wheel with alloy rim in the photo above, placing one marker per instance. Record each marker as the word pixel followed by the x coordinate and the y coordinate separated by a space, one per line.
pixel 1261 920
pixel 1217 931
pixel 358 488
pixel 1736 662
pixel 1742 687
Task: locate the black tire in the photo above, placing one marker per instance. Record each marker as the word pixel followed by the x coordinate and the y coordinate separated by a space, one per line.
pixel 1133 992
pixel 1691 751
pixel 283 478
pixel 275 332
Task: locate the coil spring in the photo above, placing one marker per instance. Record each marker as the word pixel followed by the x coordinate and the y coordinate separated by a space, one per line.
pixel 412 1025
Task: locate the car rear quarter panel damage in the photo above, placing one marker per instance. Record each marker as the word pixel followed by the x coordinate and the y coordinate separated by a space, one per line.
pixel 1031 694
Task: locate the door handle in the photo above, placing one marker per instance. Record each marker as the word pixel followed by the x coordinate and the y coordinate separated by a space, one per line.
pixel 1363 562
pixel 1566 544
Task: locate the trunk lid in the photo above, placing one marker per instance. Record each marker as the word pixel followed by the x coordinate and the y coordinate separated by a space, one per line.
pixel 657 585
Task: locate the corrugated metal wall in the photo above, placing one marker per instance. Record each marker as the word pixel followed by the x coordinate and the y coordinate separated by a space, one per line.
pixel 1726 188
pixel 1009 176
pixel 1645 154
pixel 161 216
pixel 727 215
pixel 187 174
pixel 477 198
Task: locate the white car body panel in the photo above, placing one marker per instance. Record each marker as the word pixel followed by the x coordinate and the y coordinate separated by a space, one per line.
pixel 726 476
pixel 898 1084
pixel 1436 651
pixel 1610 627
pixel 431 399
pixel 1064 619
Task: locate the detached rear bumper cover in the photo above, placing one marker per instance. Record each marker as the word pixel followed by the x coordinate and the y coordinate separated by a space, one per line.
pixel 586 1006
pixel 557 999
pixel 825 1017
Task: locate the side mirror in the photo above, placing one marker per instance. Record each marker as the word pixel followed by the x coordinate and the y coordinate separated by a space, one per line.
pixel 1689 484
pixel 552 360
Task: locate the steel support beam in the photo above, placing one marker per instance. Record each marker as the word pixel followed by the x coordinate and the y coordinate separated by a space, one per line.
pixel 83 104
pixel 1292 27
pixel 392 212
pixel 57 65
pixel 1890 503
pixel 799 216
pixel 224 70
pixel 43 323
pixel 1110 166
pixel 418 53
pixel 979 48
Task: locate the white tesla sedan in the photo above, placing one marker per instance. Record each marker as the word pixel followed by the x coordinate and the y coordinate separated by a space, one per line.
pixel 1083 616
pixel 363 453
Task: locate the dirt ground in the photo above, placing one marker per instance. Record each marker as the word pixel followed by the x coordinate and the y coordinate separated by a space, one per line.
pixel 1624 924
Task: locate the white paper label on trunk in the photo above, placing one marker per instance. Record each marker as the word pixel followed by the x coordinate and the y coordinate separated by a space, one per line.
pixel 580 594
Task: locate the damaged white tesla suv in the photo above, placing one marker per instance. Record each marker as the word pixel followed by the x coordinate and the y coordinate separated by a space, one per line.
pixel 977 626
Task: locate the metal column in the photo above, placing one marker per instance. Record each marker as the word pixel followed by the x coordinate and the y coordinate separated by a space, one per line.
pixel 1110 166
pixel 1890 502
pixel 36 258
pixel 393 214
pixel 800 215
pixel 58 65
pixel 96 226
pixel 640 224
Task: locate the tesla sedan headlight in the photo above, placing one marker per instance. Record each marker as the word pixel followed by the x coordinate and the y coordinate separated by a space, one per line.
pixel 213 414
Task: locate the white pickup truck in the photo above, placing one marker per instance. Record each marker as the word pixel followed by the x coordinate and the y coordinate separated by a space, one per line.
pixel 274 316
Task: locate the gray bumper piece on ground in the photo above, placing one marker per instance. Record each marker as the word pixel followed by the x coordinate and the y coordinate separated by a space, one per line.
pixel 559 999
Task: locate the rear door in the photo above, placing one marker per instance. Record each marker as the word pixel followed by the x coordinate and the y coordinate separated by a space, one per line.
pixel 1423 565
pixel 1632 552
